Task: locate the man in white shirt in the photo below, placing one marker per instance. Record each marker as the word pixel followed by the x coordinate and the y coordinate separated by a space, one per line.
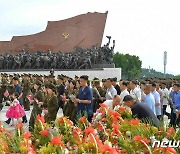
pixel 112 103
pixel 135 92
pixel 124 91
pixel 165 92
pixel 149 100
pixel 157 100
pixel 111 91
pixel 158 89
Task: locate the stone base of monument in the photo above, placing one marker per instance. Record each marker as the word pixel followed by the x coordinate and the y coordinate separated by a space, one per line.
pixel 103 65
pixel 98 72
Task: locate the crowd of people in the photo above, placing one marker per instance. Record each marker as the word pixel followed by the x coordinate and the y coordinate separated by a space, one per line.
pixel 148 99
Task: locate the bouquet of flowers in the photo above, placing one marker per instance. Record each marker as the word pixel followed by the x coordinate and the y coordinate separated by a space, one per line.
pixel 125 112
pixel 72 97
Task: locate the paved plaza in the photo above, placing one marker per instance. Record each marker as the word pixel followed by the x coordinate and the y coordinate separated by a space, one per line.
pixel 28 113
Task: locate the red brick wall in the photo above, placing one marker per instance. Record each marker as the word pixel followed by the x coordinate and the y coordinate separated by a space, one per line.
pixel 83 30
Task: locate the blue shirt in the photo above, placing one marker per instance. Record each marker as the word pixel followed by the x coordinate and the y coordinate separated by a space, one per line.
pixel 157 100
pixel 18 89
pixel 177 100
pixel 172 95
pixel 85 94
pixel 150 102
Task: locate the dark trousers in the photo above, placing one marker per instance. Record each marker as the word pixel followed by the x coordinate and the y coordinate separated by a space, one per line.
pixel 164 111
pixel 26 104
pixel 61 104
pixel 173 119
pixel 178 121
pixel 96 105
pixel 1 106
pixel 68 111
pixel 159 117
pixel 32 121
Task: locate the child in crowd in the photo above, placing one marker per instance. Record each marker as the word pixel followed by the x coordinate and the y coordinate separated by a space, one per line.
pixel 15 110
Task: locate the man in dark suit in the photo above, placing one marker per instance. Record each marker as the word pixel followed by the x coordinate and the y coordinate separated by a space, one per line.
pixel 141 111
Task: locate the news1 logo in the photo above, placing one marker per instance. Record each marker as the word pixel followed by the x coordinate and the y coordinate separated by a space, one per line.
pixel 166 143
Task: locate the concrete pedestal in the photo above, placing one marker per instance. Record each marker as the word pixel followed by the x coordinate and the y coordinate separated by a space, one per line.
pixel 100 73
pixel 94 66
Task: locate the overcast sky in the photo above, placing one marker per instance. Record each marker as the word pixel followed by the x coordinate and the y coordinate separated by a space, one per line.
pixel 145 28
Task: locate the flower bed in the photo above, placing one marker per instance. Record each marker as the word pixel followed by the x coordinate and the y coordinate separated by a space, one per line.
pixel 111 132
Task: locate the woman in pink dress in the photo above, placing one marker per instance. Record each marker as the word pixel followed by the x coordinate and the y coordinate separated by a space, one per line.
pixel 15 110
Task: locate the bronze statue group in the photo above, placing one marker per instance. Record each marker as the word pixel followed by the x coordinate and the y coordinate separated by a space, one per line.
pixel 78 59
pixel 79 96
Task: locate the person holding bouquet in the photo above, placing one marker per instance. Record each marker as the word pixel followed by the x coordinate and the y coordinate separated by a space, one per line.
pixel 165 92
pixel 111 91
pixel 84 99
pixel 52 104
pixel 15 110
pixel 135 91
pixel 113 103
pixel 141 111
pixel 37 101
pixel 71 94
pixel 60 91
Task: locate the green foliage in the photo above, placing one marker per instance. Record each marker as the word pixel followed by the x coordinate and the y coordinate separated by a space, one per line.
pixel 50 149
pixel 14 143
pixel 65 127
pixel 153 73
pixel 131 67
pixel 38 138
pixel 87 148
pixel 130 64
pixel 177 77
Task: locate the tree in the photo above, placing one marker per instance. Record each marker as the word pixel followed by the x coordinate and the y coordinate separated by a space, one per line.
pixel 130 65
pixel 177 77
pixel 153 73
